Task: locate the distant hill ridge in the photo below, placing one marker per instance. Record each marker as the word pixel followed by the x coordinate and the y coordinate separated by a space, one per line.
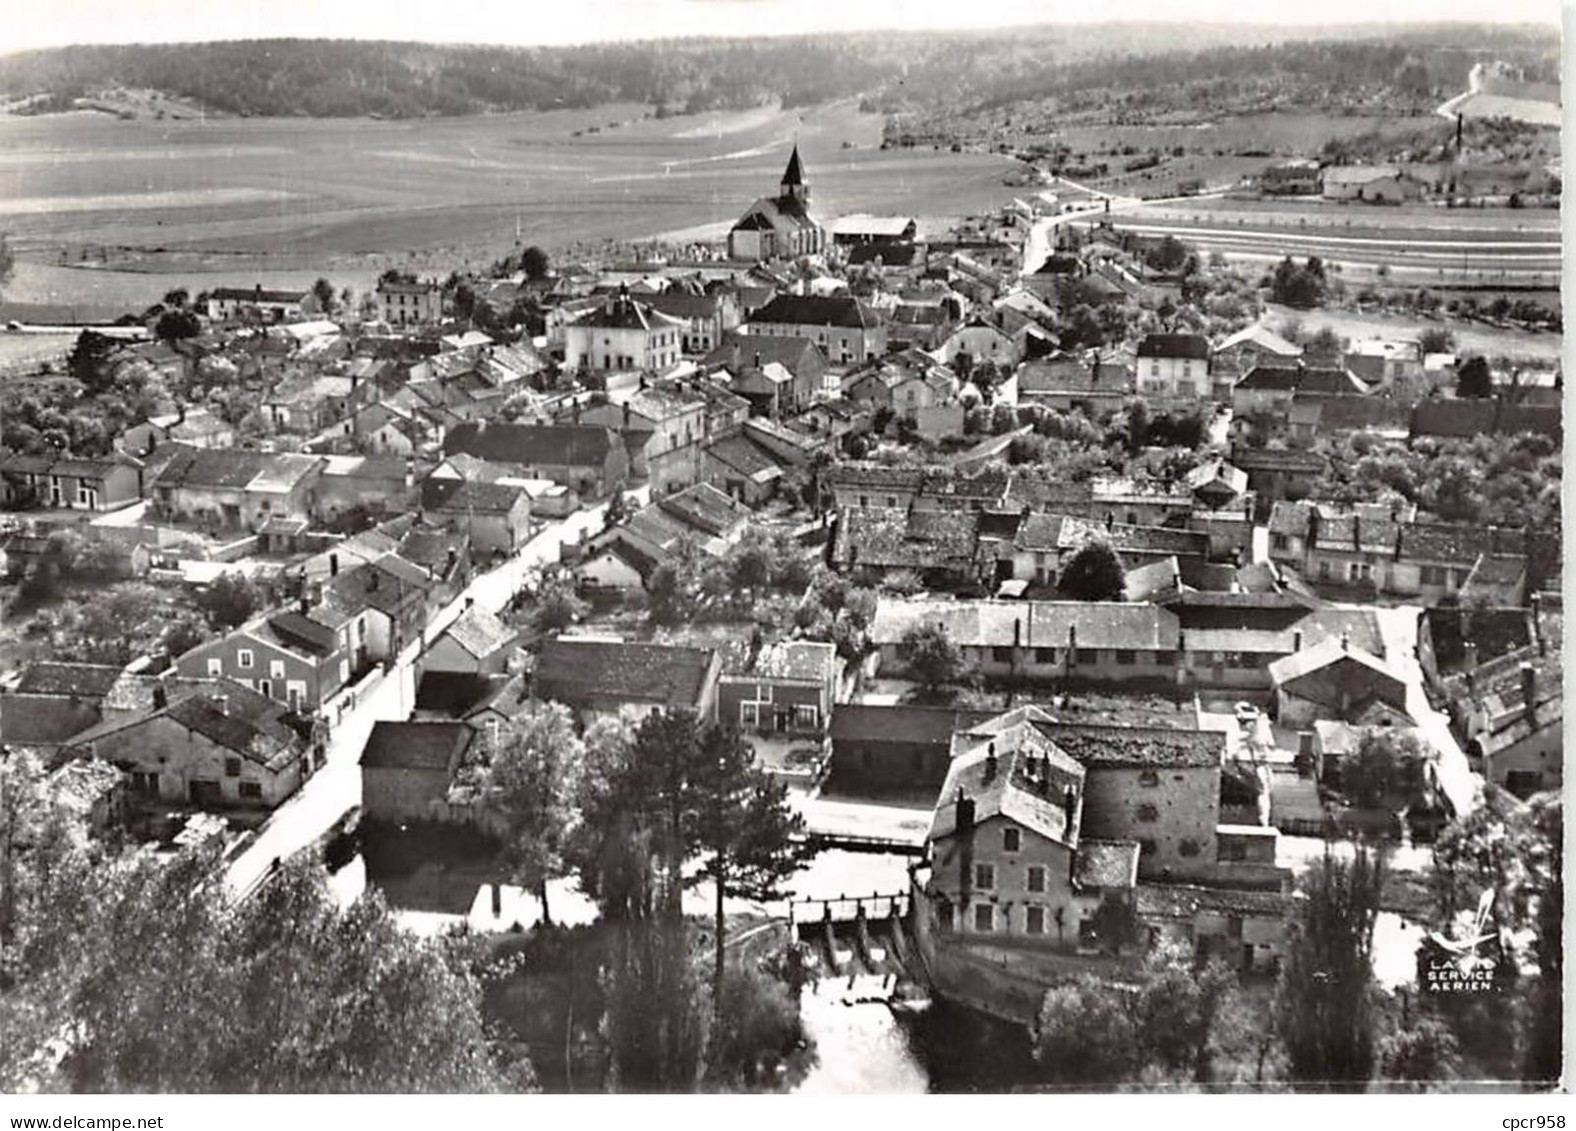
pixel 342 78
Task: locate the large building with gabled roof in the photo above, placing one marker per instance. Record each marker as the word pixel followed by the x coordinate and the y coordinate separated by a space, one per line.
pixel 779 227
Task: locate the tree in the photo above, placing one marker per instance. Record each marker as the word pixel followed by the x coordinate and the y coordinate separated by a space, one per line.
pixel 229 600
pixel 1386 771
pixel 742 828
pixel 144 965
pixel 175 325
pixel 655 1026
pixel 1421 1050
pixel 177 298
pixel 933 659
pixel 90 360
pixel 558 605
pixel 1137 425
pixel 1180 1011
pixel 464 301
pixel 1094 574
pixel 1324 1003
pixel 327 300
pixel 1324 346
pixel 1087 1034
pixel 530 783
pixel 1168 255
pixel 535 264
pixel 1436 339
pixel 1473 379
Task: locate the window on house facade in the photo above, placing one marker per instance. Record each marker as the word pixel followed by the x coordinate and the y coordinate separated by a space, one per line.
pixel 244 659
pixel 251 790
pixel 1036 878
pixel 1165 658
pixel 1126 656
pixel 276 668
pixel 1148 813
pixel 1045 655
pixel 1011 839
pixel 1087 656
pixel 806 716
pixel 1280 541
pixel 985 918
pixel 215 667
pixel 1034 921
pixel 1001 655
pixel 1146 846
pixel 985 877
pixel 232 767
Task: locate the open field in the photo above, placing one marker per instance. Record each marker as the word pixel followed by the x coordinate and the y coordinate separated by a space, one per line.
pixel 1470 338
pixel 234 200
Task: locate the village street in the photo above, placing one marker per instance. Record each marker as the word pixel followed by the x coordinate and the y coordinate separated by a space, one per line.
pixel 389 695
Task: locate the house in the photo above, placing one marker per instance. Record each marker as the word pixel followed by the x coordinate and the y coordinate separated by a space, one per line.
pixel 1453 639
pixel 773 391
pixel 214 745
pixel 601 677
pixel 861 230
pixel 228 303
pixel 1291 178
pixel 941 547
pixel 1334 679
pixel 1513 716
pixel 919 325
pixel 779 227
pixel 1195 640
pixel 789 688
pixel 477 642
pixel 380 607
pixel 1044 543
pixel 484 702
pixel 1370 184
pixel 1174 365
pixel 978 341
pixel 589 459
pixel 1383 364
pixel 377 484
pixel 705 318
pixel 92 792
pixel 70 482
pixel 1067 381
pixel 1275 474
pixel 408 302
pixel 802 358
pixel 843 328
pixel 407 768
pixel 196 428
pixel 742 468
pixel 664 430
pixel 1239 353
pixel 285 656
pixel 1336 745
pixel 49 703
pixel 1004 838
pixel 623 556
pixel 1270 389
pixel 231 489
pixel 624 334
pixel 494 517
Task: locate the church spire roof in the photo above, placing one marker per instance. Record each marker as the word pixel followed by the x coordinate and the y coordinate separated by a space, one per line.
pixel 794 174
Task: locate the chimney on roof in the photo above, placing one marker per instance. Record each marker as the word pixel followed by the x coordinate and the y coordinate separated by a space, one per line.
pixel 1070 802
pixel 990 762
pixel 222 701
pixel 963 813
pixel 1296 640
pixel 333 565
pixel 1346 640
pixel 161 698
pixel 372 582
pixel 1529 687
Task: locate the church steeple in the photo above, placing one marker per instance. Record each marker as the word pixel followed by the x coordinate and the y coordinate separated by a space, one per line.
pixel 793 184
